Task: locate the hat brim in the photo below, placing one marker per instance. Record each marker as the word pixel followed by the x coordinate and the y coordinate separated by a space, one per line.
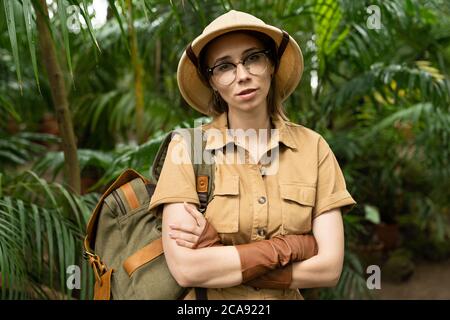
pixel 198 95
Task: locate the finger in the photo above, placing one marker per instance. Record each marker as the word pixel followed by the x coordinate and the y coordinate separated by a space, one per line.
pixel 188 228
pixel 188 237
pixel 197 215
pixel 191 211
pixel 183 243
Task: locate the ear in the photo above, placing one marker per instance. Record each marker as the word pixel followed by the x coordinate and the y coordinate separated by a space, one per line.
pixel 272 71
pixel 212 85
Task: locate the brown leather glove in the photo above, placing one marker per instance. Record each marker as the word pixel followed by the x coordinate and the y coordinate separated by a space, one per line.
pixel 260 257
pixel 261 261
pixel 280 278
pixel 208 238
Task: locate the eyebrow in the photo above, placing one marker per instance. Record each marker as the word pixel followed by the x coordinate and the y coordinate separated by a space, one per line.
pixel 227 57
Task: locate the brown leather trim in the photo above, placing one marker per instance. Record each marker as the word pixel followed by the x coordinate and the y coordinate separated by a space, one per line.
pixel 202 184
pixel 126 176
pixel 102 288
pixel 143 256
pixel 130 195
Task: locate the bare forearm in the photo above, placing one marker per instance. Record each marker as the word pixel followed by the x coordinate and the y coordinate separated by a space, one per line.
pixel 318 271
pixel 214 267
pixel 324 269
pixel 206 267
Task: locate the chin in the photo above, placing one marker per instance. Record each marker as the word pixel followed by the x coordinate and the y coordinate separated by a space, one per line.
pixel 249 106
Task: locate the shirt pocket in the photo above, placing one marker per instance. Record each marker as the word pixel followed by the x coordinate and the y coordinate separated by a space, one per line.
pixel 223 210
pixel 297 201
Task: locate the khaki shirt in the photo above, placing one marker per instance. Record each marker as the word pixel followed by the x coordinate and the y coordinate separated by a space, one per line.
pixel 255 200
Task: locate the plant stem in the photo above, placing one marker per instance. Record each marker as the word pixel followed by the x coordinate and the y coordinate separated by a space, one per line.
pixel 59 96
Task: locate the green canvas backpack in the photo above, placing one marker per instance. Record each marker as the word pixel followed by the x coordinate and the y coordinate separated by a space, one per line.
pixel 123 243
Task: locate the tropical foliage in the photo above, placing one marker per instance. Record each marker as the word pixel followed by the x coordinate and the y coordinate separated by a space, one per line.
pixel 375 86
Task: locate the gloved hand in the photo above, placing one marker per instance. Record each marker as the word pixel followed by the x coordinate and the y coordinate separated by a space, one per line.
pixel 259 258
pixel 280 278
pixel 208 238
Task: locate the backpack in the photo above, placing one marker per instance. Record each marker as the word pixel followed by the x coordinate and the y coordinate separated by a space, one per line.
pixel 123 243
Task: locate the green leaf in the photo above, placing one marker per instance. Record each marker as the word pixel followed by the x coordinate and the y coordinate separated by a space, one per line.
pixel 27 15
pixel 116 14
pixel 10 22
pixel 46 188
pixel 61 244
pixel 84 12
pixel 72 205
pixel 23 228
pixel 5 104
pixel 372 214
pixel 65 32
pixel 4 266
pixel 51 252
pixel 38 234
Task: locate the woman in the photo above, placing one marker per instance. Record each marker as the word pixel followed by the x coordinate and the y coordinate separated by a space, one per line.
pixel 254 242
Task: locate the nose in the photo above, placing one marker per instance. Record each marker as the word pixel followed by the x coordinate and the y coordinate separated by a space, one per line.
pixel 242 73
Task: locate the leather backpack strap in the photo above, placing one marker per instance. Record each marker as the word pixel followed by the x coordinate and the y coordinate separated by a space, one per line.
pixel 144 255
pixel 204 173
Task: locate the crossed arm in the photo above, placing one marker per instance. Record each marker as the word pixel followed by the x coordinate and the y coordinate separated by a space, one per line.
pixel 220 267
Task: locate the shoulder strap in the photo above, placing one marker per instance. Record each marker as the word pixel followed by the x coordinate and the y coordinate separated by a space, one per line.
pixel 160 156
pixel 203 165
pixel 204 170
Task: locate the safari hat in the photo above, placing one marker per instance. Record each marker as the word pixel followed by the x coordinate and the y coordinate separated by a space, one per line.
pixel 198 94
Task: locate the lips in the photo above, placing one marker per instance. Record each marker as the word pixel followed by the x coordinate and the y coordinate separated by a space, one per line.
pixel 246 91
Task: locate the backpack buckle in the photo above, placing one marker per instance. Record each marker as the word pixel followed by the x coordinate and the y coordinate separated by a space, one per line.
pixel 97 265
pixel 87 254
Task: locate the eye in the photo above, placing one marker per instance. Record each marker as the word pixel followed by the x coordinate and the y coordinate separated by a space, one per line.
pixel 224 67
pixel 254 57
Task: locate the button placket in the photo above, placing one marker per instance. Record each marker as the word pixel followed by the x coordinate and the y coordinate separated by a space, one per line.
pixel 260 204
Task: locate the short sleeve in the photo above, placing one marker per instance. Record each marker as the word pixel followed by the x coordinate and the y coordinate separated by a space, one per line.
pixel 176 182
pixel 331 188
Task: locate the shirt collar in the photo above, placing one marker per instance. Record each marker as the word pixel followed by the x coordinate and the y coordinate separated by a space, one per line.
pixel 218 138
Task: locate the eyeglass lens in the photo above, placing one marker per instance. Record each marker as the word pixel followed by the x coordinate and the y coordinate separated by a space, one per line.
pixel 255 64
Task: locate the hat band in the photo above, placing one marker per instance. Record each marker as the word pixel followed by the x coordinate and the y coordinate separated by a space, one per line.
pixel 191 55
pixel 283 44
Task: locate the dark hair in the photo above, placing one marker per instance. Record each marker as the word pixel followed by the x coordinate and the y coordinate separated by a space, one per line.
pixel 217 104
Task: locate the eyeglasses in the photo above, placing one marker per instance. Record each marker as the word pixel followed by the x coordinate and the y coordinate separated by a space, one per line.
pixel 255 63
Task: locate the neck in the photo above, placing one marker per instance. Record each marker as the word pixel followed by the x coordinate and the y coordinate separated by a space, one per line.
pixel 249 120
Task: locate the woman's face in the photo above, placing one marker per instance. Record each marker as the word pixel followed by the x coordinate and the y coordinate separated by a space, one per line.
pixel 247 92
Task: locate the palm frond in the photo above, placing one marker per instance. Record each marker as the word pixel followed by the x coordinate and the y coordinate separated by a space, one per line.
pixel 411 83
pixel 40 236
pixel 22 147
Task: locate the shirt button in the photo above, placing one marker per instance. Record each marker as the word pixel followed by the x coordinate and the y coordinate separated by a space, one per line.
pixel 261 232
pixel 262 170
pixel 262 200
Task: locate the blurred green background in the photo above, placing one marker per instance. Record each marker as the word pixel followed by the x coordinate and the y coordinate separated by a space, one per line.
pixel 88 88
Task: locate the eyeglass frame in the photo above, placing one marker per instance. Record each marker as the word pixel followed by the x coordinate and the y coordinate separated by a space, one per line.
pixel 265 51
